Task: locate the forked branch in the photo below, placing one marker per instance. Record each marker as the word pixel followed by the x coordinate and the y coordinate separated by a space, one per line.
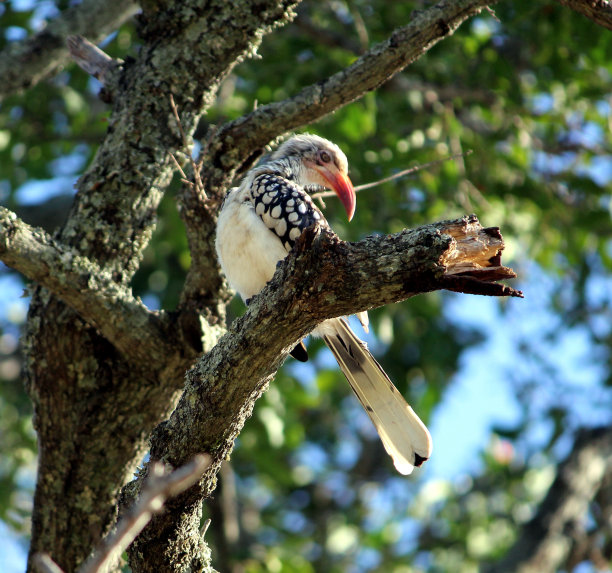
pixel 323 277
pixel 160 486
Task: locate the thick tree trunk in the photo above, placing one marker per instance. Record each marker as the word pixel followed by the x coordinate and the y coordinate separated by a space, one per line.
pixel 222 388
pixel 100 382
pixel 94 406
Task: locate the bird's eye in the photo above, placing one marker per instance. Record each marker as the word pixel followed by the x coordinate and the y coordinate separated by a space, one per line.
pixel 324 156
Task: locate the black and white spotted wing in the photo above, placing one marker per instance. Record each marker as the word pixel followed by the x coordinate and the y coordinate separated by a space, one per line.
pixel 284 207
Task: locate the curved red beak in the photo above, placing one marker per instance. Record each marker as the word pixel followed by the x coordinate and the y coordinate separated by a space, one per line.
pixel 343 187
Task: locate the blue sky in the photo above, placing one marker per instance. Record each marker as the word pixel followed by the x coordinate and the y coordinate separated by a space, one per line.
pixel 481 395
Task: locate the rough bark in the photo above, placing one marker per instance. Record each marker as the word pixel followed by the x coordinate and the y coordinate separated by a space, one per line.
pixel 599 11
pixel 159 487
pixel 323 278
pixel 95 406
pixel 221 390
pixel 101 382
pixel 79 282
pixel 237 144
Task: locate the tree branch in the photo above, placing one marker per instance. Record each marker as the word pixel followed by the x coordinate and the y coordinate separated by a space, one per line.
pixel 599 11
pixel 323 277
pixel 398 175
pixel 545 542
pixel 187 49
pixel 237 144
pixel 237 140
pixel 90 58
pixel 24 64
pixel 83 285
pixel 44 564
pixel 158 487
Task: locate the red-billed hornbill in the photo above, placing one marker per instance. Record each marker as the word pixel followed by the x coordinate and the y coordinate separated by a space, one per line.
pixel 259 224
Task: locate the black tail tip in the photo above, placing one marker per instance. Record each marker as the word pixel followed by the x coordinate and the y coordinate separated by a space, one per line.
pixel 299 352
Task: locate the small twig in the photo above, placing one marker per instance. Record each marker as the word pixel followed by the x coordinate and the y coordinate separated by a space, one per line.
pixel 205 527
pixel 178 122
pixel 158 488
pixel 180 170
pixel 397 175
pixel 90 58
pixel 197 181
pixel 361 29
pixel 412 170
pixel 44 564
pixel 492 13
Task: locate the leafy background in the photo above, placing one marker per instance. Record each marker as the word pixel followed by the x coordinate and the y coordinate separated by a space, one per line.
pixel 503 385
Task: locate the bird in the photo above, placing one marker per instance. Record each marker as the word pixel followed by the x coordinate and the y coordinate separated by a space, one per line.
pixel 259 223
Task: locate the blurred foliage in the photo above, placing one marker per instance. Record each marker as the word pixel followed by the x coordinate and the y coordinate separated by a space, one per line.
pixel 309 487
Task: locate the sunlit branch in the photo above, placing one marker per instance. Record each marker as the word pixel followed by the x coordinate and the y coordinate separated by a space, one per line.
pixel 237 144
pixel 357 276
pixel 397 175
pixel 240 139
pixel 157 489
pixel 197 181
pixel 90 58
pixel 82 284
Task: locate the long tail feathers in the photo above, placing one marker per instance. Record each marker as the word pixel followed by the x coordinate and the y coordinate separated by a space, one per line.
pixel 405 437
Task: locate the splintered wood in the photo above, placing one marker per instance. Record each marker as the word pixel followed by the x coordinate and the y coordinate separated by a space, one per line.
pixel 474 251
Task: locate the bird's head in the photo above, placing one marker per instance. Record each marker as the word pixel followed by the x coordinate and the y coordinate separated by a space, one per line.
pixel 320 162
